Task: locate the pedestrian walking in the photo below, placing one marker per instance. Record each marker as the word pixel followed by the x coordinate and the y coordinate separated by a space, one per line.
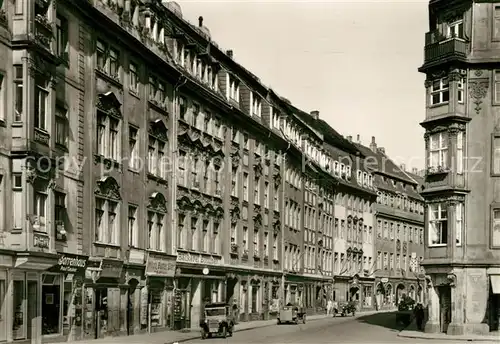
pixel 419 316
pixel 335 308
pixel 329 306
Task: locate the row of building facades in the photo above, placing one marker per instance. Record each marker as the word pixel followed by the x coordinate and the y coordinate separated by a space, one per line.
pixel 144 172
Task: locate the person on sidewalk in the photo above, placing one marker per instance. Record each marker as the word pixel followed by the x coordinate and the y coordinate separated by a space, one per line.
pixel 335 306
pixel 419 316
pixel 329 306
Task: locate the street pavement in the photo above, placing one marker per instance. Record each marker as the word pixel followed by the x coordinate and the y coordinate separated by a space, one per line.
pixel 373 328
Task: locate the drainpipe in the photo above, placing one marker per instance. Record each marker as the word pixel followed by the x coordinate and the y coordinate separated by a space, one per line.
pixel 173 174
pixel 283 183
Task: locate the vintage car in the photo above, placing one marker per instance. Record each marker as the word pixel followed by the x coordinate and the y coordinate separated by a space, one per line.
pixel 291 314
pixel 348 308
pixel 216 321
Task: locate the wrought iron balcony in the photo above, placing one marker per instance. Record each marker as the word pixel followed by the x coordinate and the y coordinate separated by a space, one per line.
pixel 439 48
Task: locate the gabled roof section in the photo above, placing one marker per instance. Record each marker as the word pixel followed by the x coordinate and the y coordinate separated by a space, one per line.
pixel 332 137
pixel 384 165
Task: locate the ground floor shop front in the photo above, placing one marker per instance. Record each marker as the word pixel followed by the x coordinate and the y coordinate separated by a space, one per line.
pixel 40 297
pixel 390 291
pixel 463 300
pixel 355 288
pixel 309 291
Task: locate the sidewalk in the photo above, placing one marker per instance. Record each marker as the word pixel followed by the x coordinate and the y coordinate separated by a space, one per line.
pixel 165 337
pixel 412 332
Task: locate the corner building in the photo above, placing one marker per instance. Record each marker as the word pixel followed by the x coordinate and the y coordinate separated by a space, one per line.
pixel 144 173
pixel 461 230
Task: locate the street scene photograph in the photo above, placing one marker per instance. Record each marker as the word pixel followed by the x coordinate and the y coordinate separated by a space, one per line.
pixel 249 171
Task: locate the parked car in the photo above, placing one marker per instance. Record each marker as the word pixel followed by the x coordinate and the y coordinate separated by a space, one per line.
pixel 291 314
pixel 217 320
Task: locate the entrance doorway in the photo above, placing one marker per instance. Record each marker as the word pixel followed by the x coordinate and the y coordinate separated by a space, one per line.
pixel 101 312
pixel 132 288
pixel 444 307
pixel 51 304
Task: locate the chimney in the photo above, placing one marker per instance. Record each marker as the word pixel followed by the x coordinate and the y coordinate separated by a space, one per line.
pixel 381 150
pixel 200 21
pixel 315 114
pixel 229 53
pixel 373 145
pixel 402 167
pixel 349 138
pixel 358 139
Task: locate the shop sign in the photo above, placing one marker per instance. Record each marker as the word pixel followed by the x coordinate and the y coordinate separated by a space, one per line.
pixel 187 257
pixel 41 240
pixel 71 264
pixel 111 268
pixel 161 266
pixel 6 260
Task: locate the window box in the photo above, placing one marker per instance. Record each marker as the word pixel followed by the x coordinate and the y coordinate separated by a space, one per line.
pixel 434 170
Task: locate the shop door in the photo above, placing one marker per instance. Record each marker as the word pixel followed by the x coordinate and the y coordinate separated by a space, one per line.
pixel 445 307
pixel 32 308
pixel 3 306
pixel 101 311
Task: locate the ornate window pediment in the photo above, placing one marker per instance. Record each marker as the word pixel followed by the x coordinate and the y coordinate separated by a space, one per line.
pixel 158 129
pixel 108 187
pixel 157 202
pixel 109 104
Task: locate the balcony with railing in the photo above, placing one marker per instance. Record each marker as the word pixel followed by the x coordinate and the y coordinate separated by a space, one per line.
pixel 439 48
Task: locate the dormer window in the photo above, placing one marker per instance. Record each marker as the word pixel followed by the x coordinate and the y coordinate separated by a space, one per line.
pixel 180 54
pixel 348 171
pixel 440 91
pixel 256 105
pixel 233 89
pixel 456 30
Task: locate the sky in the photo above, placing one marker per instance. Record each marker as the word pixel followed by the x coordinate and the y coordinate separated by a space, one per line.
pixel 355 62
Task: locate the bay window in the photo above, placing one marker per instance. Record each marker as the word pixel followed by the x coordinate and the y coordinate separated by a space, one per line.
pixel 106 226
pixel 156 240
pixel 438 224
pixel 440 91
pixel 459 226
pixel 41 103
pixel 460 152
pixel 438 151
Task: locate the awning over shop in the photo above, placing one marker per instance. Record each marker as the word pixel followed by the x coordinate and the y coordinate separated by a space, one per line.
pixel 34 263
pixel 495 283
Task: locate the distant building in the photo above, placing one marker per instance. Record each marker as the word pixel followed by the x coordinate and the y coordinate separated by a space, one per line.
pixel 399 218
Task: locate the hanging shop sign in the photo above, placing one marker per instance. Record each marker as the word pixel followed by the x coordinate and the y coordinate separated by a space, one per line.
pixel 160 266
pixel 71 264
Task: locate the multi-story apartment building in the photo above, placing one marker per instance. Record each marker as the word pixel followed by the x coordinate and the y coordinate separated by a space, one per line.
pixel 399 215
pixel 144 172
pixel 462 240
